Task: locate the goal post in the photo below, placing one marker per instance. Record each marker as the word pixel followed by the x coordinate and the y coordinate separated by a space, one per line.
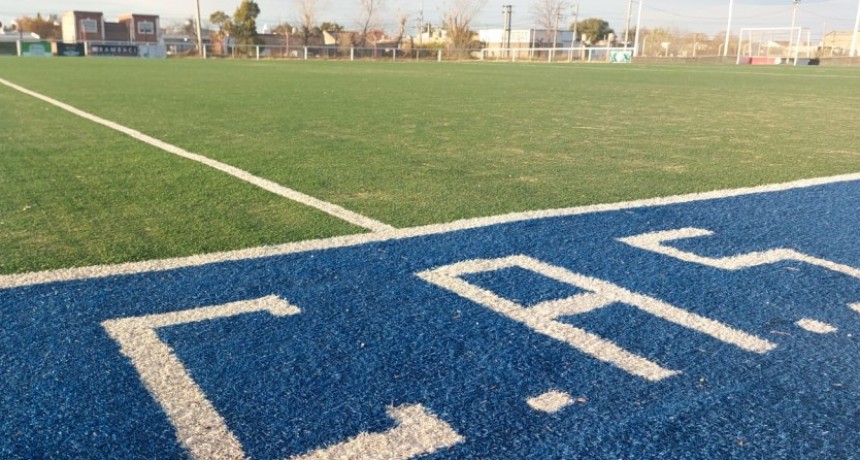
pixel 774 45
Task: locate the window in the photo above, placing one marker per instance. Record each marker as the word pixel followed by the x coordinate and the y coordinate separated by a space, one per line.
pixel 89 25
pixel 145 27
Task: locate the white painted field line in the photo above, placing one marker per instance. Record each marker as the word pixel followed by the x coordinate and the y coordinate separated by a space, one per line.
pixel 265 184
pixel 101 271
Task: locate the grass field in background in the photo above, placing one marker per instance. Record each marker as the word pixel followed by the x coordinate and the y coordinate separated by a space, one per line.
pixel 403 143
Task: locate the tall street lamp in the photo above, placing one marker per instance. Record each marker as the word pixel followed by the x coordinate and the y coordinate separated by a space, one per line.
pixel 728 29
pixel 793 25
pixel 854 38
pixel 199 32
pixel 794 14
pixel 627 27
pixel 636 50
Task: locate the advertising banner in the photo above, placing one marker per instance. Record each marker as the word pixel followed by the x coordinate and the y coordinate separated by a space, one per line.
pixel 621 56
pixel 69 49
pixel 40 49
pixel 114 50
pixel 152 50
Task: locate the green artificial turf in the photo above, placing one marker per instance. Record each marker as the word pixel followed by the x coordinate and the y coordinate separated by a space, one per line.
pixel 77 195
pixel 419 143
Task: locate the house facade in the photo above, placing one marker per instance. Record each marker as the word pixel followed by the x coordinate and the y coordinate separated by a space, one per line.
pixel 496 39
pixel 838 43
pixel 89 26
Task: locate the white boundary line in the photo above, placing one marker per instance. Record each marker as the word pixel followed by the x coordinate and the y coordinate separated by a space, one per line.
pixel 265 184
pixel 101 271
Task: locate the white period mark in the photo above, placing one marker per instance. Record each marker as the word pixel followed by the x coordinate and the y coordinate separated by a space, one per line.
pixel 550 402
pixel 815 326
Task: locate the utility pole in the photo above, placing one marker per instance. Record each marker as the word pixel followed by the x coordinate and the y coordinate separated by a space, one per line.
pixel 636 50
pixel 199 32
pixel 728 29
pixel 793 25
pixel 507 11
pixel 555 30
pixel 575 21
pixel 794 14
pixel 627 28
pixel 421 25
pixel 854 37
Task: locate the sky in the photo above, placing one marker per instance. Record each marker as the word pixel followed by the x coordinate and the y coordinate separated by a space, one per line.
pixel 702 16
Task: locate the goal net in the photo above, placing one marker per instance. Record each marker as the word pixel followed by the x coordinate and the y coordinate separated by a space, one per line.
pixel 776 45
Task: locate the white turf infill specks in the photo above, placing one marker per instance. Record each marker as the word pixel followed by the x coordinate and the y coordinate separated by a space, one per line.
pixel 102 271
pixel 265 184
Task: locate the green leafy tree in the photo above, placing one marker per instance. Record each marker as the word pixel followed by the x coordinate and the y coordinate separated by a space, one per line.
pixel 223 21
pixel 225 25
pixel 244 27
pixel 595 29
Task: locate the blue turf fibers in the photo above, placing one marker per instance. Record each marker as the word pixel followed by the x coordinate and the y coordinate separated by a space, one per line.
pixel 372 334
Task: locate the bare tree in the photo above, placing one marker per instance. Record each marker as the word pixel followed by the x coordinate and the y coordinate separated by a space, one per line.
pixel 547 14
pixel 458 21
pixel 307 18
pixel 369 11
pixel 401 22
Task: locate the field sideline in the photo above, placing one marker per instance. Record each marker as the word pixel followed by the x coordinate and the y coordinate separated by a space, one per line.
pixel 406 144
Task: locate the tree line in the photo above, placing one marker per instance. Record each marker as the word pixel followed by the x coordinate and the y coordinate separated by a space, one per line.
pixel 457 22
pixel 241 26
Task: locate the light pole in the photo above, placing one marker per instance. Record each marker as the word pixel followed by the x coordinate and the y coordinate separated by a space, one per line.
pixel 19 47
pixel 728 29
pixel 853 52
pixel 627 28
pixel 506 11
pixel 421 26
pixel 638 30
pixel 199 32
pixel 793 25
pixel 794 14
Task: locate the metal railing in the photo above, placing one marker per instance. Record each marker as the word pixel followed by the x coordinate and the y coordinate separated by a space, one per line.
pixel 571 54
pixel 348 53
pixel 335 52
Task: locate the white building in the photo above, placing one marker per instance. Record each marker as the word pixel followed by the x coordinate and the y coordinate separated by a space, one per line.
pixel 525 38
